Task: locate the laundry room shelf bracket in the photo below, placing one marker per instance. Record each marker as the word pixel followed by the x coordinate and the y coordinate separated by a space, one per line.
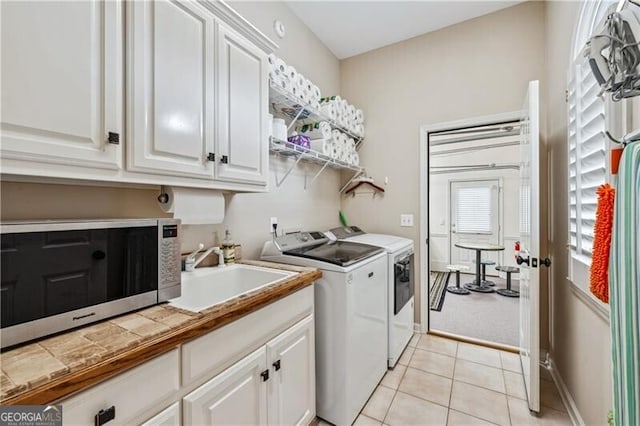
pixel 288 149
pixel 308 185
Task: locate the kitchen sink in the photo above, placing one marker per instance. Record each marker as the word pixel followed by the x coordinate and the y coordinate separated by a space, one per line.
pixel 206 287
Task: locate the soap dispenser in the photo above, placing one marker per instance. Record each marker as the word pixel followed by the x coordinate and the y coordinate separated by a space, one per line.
pixel 228 248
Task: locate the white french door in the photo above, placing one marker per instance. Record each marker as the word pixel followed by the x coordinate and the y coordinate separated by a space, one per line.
pixel 474 209
pixel 528 259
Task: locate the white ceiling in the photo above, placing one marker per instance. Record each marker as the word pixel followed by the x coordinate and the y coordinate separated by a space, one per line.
pixel 350 28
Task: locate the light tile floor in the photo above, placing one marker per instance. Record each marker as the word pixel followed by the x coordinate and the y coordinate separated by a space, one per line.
pixel 443 382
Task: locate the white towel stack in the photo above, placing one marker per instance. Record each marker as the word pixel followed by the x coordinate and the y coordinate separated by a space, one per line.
pixel 288 78
pixel 343 113
pixel 332 143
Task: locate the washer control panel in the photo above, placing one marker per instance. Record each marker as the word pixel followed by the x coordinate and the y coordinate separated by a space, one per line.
pixel 297 240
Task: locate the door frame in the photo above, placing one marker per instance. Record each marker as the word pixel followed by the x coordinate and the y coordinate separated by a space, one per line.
pixel 425 131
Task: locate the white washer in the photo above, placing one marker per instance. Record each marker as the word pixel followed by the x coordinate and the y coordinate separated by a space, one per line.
pixel 350 315
pixel 401 283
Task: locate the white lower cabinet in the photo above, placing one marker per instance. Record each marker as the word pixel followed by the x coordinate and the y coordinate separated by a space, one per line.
pixel 292 389
pixel 211 380
pixel 169 417
pixel 237 396
pixel 274 385
pixel 128 396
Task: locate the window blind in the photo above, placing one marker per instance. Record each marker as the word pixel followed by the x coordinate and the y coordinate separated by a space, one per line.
pixel 587 154
pixel 473 210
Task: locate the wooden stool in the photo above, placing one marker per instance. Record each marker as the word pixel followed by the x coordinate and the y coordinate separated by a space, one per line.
pixel 484 264
pixel 507 291
pixel 457 289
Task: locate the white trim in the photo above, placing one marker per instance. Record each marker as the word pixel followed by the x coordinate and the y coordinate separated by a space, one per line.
pixel 598 307
pixel 425 129
pixel 417 328
pixel 567 399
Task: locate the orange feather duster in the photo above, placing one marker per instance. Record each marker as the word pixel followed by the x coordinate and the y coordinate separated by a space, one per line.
pixel 599 284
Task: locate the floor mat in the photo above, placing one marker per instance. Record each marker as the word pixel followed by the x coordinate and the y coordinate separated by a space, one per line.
pixel 437 290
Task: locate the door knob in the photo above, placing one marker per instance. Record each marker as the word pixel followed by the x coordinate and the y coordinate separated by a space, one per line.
pixel 520 260
pixel 545 261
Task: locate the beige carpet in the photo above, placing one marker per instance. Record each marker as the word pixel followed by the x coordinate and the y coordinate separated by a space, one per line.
pixel 486 316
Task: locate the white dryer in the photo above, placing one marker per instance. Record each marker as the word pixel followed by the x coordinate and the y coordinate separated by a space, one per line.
pixel 350 316
pixel 401 283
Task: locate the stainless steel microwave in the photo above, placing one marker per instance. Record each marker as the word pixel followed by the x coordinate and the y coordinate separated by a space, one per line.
pixel 58 275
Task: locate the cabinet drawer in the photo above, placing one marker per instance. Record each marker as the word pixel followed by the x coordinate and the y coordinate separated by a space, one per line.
pixel 212 353
pixel 132 393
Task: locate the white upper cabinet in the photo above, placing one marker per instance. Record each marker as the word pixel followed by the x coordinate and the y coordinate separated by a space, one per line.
pixel 62 86
pixel 243 103
pixel 171 93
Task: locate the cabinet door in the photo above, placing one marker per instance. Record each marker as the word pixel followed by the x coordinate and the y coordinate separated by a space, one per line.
pixel 62 82
pixel 237 396
pixel 170 98
pixel 242 139
pixel 168 417
pixel 291 357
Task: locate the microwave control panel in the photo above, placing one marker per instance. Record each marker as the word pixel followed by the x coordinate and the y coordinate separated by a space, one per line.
pixel 169 259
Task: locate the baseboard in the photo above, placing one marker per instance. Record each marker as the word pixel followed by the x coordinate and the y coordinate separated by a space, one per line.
pixel 417 328
pixel 567 399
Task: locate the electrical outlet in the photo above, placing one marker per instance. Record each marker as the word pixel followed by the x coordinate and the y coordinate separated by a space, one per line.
pixel 406 220
pixel 272 221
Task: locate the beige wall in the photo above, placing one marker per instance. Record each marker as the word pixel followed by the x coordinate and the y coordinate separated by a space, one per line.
pixel 580 343
pixel 477 68
pixel 247 215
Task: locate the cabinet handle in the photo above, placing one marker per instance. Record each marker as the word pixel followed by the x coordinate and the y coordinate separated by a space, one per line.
pixel 114 138
pixel 211 157
pixel 276 365
pixel 224 159
pixel 105 416
pixel 265 375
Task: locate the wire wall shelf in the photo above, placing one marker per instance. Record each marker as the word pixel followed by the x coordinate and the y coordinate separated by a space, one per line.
pixel 288 149
pixel 285 104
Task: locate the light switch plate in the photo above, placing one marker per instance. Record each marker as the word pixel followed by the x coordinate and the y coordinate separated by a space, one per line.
pixel 406 220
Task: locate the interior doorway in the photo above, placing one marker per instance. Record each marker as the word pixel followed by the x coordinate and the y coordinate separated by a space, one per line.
pixel 472 194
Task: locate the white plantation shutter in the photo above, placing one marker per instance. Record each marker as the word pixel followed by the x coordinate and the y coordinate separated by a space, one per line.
pixel 473 210
pixel 587 155
pixel 587 119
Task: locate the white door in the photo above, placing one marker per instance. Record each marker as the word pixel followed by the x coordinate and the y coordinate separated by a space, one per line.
pixel 292 388
pixel 171 88
pixel 474 207
pixel 530 247
pixel 243 102
pixel 237 396
pixel 62 82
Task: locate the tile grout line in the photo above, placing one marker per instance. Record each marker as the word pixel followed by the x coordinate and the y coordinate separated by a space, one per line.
pixel 507 397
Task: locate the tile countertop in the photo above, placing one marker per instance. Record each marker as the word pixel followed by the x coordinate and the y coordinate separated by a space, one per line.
pixel 56 367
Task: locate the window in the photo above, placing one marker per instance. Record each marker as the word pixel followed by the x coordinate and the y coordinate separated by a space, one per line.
pixel 473 210
pixel 589 115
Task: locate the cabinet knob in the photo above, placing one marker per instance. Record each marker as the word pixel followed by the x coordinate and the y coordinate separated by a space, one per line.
pixel 224 159
pixel 211 157
pixel 276 365
pixel 265 375
pixel 105 415
pixel 114 138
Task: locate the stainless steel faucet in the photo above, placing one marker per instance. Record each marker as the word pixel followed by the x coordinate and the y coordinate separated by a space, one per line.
pixel 191 262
